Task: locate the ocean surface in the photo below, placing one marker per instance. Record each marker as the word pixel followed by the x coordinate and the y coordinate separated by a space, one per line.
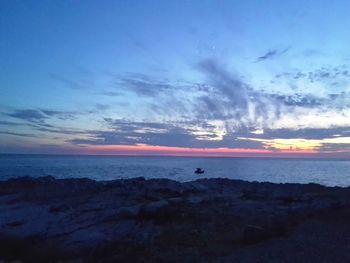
pixel 325 172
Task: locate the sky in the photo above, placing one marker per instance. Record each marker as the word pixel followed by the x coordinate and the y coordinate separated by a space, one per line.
pixel 209 78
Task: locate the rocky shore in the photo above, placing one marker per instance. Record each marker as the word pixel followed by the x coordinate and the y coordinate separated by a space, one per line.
pixel 159 220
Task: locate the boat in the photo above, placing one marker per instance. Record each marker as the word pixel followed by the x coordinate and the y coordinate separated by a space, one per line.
pixel 199 171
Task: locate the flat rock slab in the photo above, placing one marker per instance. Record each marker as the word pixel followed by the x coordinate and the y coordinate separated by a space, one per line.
pixel 160 220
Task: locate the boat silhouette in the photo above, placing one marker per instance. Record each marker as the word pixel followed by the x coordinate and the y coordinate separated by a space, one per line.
pixel 199 171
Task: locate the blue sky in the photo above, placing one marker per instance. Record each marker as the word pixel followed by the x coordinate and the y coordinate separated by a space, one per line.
pixel 269 76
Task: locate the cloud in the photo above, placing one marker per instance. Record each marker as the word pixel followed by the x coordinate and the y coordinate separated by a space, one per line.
pixel 18 134
pixel 10 123
pixel 111 93
pixel 129 133
pixel 64 131
pixel 39 115
pixel 334 147
pixel 271 54
pixel 37 121
pixel 301 100
pixel 331 76
pixel 229 98
pixel 226 97
pixel 221 96
pixel 176 134
pixel 201 135
pixel 102 107
pixel 28 115
pixel 149 86
pixel 83 79
pixel 225 83
pixel 62 115
pixel 305 133
pixel 143 85
pixel 223 110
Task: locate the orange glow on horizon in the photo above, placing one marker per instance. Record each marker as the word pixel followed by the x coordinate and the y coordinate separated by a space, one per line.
pixel 184 151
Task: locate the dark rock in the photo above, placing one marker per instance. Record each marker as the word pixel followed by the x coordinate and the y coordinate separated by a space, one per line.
pixel 129 212
pixel 15 223
pixel 253 195
pixel 195 199
pixel 154 207
pixel 59 208
pixel 160 220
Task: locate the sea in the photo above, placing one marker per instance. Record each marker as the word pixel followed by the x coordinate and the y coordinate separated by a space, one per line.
pixel 329 172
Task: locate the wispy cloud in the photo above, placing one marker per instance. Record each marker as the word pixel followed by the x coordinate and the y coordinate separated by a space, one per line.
pixel 273 53
pixel 174 134
pixel 301 100
pixel 83 79
pixel 223 110
pixel 143 85
pixel 19 134
pixel 10 123
pixel 28 115
pixel 220 112
pixel 334 147
pixel 38 120
pixel 328 76
pixel 231 99
pixel 39 115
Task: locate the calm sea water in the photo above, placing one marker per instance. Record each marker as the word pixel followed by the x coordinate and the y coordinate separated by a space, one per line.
pixel 326 172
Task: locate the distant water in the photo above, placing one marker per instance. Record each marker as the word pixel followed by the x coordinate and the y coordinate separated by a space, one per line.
pixel 326 172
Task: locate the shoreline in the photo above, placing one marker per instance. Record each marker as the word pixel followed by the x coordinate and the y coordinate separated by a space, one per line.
pixel 160 220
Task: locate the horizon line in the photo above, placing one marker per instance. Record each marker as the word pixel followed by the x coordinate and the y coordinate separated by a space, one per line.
pixel 267 156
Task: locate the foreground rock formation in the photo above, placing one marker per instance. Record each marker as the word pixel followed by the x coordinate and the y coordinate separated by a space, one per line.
pixel 159 220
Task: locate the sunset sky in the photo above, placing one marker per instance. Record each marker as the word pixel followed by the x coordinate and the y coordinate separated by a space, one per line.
pixel 213 78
